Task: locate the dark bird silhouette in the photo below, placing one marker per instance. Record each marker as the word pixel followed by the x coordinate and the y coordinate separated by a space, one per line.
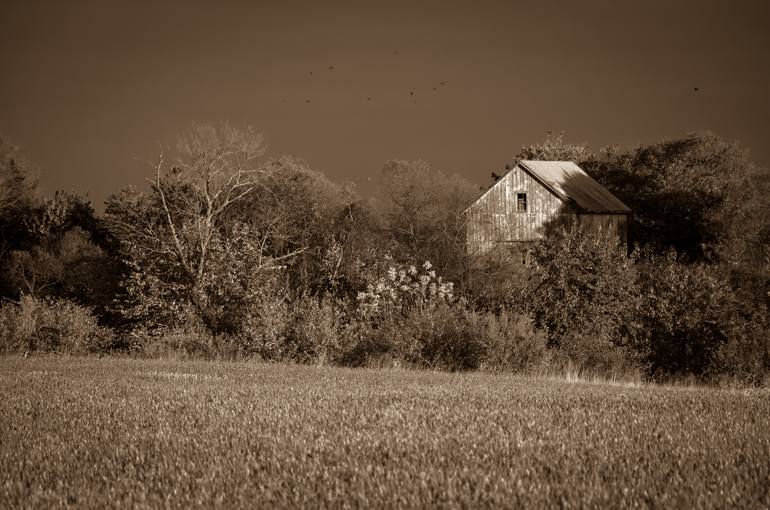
pixel 411 93
pixel 696 89
pixel 331 68
pixel 434 88
pixel 307 100
pixel 368 98
pixel 311 72
pixel 496 177
pixel 442 83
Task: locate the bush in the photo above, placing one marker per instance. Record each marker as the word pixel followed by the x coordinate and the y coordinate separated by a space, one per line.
pixel 402 289
pixel 320 330
pixel 745 355
pixel 443 337
pixel 177 344
pixel 51 325
pixel 512 343
pixel 687 313
pixel 306 330
pixel 263 329
pixel 582 285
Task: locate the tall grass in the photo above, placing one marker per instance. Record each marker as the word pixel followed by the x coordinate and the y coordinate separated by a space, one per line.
pixel 127 433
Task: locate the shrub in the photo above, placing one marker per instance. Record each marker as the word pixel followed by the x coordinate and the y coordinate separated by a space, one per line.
pixel 512 343
pixel 368 346
pixel 263 328
pixel 305 330
pixel 51 325
pixel 178 344
pixel 687 313
pixel 443 337
pixel 745 355
pixel 582 285
pixel 403 288
pixel 320 330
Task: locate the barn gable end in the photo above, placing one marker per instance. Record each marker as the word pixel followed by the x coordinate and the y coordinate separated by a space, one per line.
pixel 535 194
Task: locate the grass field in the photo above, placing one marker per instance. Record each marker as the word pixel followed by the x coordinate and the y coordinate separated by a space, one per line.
pixel 119 432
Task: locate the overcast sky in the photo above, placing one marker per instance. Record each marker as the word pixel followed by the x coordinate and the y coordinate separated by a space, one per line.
pixel 86 87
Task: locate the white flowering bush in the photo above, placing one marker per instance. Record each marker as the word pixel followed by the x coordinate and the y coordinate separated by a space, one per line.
pixel 404 287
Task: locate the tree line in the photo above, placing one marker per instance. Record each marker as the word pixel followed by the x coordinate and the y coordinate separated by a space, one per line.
pixel 226 254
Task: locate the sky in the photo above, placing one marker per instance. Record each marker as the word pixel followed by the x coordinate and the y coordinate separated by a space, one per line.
pixel 89 89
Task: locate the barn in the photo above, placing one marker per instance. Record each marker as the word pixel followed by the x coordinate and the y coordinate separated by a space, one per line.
pixel 535 195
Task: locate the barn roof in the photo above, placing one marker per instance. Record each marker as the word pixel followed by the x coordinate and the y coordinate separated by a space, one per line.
pixel 569 182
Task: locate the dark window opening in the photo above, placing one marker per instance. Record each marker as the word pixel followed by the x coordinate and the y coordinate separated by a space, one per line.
pixel 521 202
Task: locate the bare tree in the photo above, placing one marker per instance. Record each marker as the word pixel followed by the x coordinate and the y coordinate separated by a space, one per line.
pixel 180 221
pixel 18 182
pixel 423 208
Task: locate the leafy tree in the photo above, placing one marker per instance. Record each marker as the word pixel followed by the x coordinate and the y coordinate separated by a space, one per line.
pixel 687 314
pixel 170 235
pixel 422 208
pixel 18 180
pixel 295 208
pixel 582 292
pixel 685 193
pixel 556 149
pixel 18 194
pixel 56 253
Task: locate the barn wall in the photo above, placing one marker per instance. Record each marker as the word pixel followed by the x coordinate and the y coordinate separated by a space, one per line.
pixel 493 218
pixel 616 223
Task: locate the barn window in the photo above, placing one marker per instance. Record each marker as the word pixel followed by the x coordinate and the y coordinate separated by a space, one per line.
pixel 521 202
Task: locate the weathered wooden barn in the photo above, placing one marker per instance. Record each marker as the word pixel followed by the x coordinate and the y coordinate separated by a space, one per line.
pixel 536 195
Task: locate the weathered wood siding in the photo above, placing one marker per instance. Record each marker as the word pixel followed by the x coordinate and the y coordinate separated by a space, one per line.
pixel 615 223
pixel 494 219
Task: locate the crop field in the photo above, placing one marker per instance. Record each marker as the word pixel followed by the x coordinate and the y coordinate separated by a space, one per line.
pixel 130 433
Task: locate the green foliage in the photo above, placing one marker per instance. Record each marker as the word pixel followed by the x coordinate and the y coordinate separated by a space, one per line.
pixel 51 325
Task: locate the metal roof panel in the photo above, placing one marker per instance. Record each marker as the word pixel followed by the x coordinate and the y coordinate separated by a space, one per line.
pixel 569 181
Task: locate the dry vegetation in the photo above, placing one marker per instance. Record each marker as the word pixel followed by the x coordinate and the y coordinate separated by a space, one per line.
pixel 120 432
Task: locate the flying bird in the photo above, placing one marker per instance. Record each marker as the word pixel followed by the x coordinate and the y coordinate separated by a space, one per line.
pixel 696 89
pixel 442 83
pixel 368 98
pixel 411 93
pixel 331 68
pixel 307 100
